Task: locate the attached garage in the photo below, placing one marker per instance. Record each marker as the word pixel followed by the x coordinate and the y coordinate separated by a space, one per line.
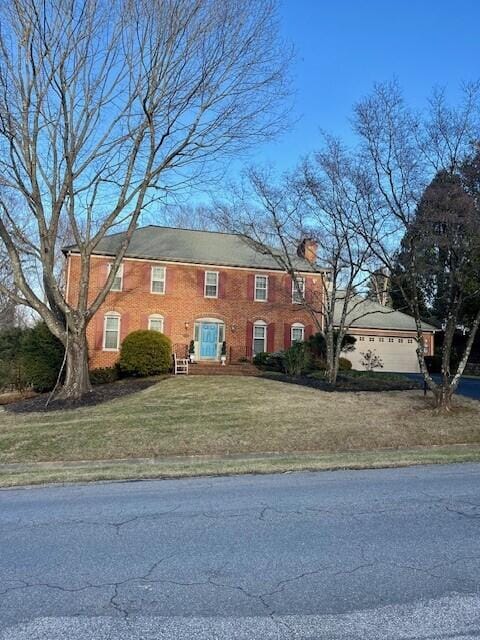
pixel 389 334
pixel 396 353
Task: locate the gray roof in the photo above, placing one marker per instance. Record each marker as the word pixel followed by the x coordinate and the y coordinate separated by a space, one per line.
pixel 197 247
pixel 364 313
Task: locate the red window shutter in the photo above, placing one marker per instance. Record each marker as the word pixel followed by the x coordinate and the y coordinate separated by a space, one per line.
pixel 124 330
pixel 309 299
pixel 128 275
pixel 222 283
pixel 308 331
pixel 249 339
pixel 99 323
pixel 287 335
pixel 200 282
pixel 272 288
pixel 288 289
pixel 250 286
pixel 271 337
pixel 147 277
pixel 103 271
pixel 169 280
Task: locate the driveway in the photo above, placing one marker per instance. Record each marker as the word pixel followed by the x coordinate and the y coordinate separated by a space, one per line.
pixel 469 387
pixel 338 555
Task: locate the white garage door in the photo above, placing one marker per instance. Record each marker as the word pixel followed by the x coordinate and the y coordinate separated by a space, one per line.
pixel 396 354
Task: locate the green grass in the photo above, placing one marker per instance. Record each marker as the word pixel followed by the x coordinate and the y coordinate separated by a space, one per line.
pixel 224 416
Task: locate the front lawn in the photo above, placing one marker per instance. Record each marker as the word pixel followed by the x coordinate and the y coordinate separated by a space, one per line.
pixel 218 416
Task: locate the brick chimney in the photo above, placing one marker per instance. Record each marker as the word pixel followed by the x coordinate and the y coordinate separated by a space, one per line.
pixel 308 249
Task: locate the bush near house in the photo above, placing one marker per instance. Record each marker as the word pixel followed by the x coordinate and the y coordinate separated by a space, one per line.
pixel 42 355
pixel 145 353
pixel 104 375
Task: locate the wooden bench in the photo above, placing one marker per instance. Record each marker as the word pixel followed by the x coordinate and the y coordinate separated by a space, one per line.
pixel 180 365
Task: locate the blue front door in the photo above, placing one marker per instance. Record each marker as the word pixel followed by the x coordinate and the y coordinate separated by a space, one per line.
pixel 208 340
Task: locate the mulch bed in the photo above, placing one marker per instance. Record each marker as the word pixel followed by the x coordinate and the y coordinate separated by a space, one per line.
pixel 100 393
pixel 345 383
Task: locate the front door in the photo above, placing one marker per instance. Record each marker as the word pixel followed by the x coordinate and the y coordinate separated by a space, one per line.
pixel 208 340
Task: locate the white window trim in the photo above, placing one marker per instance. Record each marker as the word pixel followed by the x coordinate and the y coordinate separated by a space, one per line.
pixel 156 316
pixel 112 314
pixel 119 274
pixel 255 289
pixel 259 323
pixel 217 273
pixel 297 325
pixel 158 293
pixel 298 279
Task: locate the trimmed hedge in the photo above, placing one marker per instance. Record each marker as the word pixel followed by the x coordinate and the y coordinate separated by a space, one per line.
pixel 344 364
pixel 104 375
pixel 145 353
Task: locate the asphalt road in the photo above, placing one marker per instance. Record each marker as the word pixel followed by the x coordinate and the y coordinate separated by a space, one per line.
pixel 338 555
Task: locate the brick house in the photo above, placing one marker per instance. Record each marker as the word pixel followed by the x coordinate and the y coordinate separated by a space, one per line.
pixel 204 286
pixel 195 285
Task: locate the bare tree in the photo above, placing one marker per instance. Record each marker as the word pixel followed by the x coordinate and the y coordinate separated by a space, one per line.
pixel 105 106
pixel 318 203
pixel 401 153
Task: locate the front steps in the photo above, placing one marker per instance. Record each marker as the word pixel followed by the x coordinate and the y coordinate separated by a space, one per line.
pixel 216 369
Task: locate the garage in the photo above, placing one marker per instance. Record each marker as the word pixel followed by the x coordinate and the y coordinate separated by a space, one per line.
pixel 388 333
pixel 396 353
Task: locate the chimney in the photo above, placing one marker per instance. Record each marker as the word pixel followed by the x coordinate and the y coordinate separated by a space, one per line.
pixel 308 249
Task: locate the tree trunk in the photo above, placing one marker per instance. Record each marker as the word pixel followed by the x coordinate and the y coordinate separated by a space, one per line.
pixel 77 379
pixel 443 397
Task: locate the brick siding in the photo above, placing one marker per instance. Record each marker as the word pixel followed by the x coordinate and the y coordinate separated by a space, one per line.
pixel 183 303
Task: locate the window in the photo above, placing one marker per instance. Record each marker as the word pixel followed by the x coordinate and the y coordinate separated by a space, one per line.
pixel 381 339
pixel 211 284
pixel 361 338
pixel 298 290
pixel 298 332
pixel 410 341
pixel 117 284
pixel 261 288
pixel 400 339
pixel 391 340
pixel 155 323
pixel 259 337
pixel 111 333
pixel 371 339
pixel 158 280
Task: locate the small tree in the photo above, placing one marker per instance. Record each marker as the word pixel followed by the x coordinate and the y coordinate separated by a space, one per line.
pixel 371 360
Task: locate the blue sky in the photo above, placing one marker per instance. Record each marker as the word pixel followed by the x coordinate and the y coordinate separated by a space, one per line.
pixel 344 46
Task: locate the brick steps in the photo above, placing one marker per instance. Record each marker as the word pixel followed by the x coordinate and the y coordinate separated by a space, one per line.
pixel 213 369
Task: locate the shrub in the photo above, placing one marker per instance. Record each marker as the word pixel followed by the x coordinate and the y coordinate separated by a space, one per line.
pixel 104 375
pixel 296 359
pixel 318 347
pixel 12 370
pixel 371 361
pixel 260 359
pixel 344 364
pixel 145 353
pixel 42 356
